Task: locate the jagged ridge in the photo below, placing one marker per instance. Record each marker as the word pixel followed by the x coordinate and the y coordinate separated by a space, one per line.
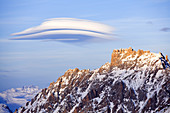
pixel 132 82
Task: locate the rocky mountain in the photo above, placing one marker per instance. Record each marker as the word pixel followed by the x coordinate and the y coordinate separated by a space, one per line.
pixel 134 82
pixel 14 98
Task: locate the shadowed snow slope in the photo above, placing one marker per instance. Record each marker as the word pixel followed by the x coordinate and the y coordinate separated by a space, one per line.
pixel 134 82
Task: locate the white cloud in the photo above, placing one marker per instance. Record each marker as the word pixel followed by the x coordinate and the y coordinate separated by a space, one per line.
pixel 66 29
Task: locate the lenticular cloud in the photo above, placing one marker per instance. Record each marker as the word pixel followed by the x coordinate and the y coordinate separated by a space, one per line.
pixel 66 29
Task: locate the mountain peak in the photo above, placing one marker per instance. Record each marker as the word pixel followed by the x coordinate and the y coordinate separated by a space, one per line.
pixel 134 81
pixel 129 58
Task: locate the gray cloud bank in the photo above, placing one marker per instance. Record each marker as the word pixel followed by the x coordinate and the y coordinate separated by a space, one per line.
pixel 165 29
pixel 67 30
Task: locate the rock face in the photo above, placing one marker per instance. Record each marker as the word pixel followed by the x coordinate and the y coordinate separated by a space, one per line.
pixel 126 58
pixel 134 82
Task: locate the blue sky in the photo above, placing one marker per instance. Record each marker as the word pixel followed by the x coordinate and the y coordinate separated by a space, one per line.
pixel 140 24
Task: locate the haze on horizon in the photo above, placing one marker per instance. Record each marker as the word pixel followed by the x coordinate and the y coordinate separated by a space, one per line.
pixel 138 24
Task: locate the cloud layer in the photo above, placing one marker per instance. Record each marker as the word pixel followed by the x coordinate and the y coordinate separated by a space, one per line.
pixel 165 29
pixel 66 29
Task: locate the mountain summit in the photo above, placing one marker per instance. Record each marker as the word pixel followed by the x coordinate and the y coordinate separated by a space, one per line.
pixel 134 82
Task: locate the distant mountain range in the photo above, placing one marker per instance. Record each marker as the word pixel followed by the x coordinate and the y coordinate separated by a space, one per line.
pixel 133 82
pixel 14 98
pixel 4 108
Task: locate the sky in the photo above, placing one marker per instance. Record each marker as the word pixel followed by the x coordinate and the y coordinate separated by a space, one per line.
pixel 40 60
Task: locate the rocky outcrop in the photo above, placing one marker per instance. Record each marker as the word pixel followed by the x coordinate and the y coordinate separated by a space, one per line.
pixel 129 58
pixel 120 57
pixel 134 81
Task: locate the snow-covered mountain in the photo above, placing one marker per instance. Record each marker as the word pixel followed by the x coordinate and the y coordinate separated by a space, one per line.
pixel 14 98
pixel 4 109
pixel 134 82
